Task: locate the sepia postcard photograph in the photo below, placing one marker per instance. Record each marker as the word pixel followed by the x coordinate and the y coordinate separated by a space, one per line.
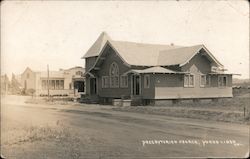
pixel 124 79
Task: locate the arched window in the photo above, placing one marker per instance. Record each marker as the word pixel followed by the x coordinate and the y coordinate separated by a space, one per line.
pixel 114 75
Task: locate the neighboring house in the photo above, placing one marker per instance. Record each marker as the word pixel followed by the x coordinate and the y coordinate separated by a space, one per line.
pixel 68 82
pixel 5 84
pixel 150 72
pixel 15 85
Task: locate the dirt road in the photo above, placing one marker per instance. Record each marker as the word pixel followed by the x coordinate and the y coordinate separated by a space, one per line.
pixel 93 131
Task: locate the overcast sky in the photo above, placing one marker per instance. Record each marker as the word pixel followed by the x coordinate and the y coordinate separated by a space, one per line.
pixel 58 33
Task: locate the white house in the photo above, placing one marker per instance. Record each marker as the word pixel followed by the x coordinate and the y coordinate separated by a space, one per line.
pixel 65 82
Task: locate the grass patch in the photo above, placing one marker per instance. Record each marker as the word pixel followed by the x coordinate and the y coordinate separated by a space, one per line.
pixel 58 135
pixel 226 110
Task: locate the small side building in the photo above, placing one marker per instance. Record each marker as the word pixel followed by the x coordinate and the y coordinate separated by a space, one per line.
pixel 65 82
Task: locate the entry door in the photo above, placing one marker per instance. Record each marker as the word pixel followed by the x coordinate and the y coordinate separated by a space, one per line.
pixel 79 85
pixel 136 85
pixel 92 86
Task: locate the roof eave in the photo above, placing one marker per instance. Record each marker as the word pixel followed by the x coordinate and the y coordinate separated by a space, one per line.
pixel 98 57
pixel 208 52
pixel 84 57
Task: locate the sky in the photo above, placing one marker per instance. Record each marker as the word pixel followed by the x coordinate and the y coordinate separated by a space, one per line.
pixel 59 33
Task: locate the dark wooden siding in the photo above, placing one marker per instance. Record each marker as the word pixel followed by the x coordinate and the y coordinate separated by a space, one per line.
pixel 111 57
pixel 148 93
pixel 214 80
pixel 184 93
pixel 87 82
pixel 172 86
pixel 168 80
pixel 162 86
pixel 202 64
pixel 89 62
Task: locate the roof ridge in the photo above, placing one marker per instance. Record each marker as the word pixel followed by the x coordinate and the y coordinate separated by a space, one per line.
pixel 174 46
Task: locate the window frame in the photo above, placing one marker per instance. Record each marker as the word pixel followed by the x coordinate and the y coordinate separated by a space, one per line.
pixel 105 85
pixel 114 77
pixel 189 85
pixel 205 80
pixel 61 84
pixel 57 84
pixel 145 83
pixel 184 80
pixel 226 84
pixel 193 80
pixel 124 84
pixel 208 81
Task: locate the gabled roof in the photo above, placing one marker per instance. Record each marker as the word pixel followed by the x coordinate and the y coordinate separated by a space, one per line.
pixel 177 56
pixel 140 54
pixel 27 69
pixel 96 48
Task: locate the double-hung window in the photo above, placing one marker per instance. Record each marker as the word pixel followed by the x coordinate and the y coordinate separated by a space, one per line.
pixel 189 80
pixel 202 80
pixel 124 81
pixel 105 81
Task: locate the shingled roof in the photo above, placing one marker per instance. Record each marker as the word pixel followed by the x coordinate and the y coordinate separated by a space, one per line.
pixel 140 54
pixel 96 48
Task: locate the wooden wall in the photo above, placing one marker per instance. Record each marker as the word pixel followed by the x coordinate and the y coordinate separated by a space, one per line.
pixel 89 62
pixel 171 86
pixel 181 92
pixel 111 57
pixel 148 93
pixel 162 86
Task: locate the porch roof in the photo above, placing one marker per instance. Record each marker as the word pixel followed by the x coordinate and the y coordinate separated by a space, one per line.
pixel 224 73
pixel 155 69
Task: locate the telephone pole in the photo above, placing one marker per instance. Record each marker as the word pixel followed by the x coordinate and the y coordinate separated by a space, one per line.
pixel 48 80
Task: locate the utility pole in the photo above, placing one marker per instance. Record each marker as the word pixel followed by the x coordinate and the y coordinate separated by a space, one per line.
pixel 48 80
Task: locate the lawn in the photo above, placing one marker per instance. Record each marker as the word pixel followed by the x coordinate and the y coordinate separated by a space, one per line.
pixel 236 109
pixel 226 110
